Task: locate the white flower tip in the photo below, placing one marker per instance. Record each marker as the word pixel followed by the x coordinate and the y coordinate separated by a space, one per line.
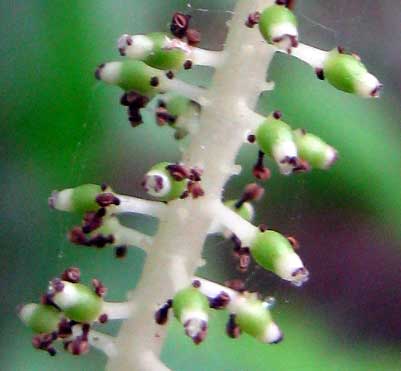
pixel 25 311
pixel 369 86
pixel 290 267
pixel 286 156
pixel 285 36
pixel 196 329
pixel 156 183
pixel 108 72
pixel 331 157
pixel 61 200
pixel 137 46
pixel 273 334
pixel 300 276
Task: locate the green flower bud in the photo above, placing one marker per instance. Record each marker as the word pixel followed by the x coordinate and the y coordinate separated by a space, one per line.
pixel 160 183
pixel 40 318
pixel 77 301
pixel 131 75
pixel 156 49
pixel 347 73
pixel 253 318
pixel 275 253
pixel 80 199
pixel 315 151
pixel 246 210
pixel 190 307
pixel 278 26
pixel 274 138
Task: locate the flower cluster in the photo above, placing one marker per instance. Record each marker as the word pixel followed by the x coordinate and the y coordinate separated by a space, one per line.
pixel 146 74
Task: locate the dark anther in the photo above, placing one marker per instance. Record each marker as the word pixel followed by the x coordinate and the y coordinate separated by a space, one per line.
pixel 161 103
pixel 77 346
pixel 341 49
pixel 220 301
pixel 77 236
pixel 252 192
pixel 161 315
pixel 302 166
pixel 57 285
pixel 170 75
pixel 103 318
pixel 179 24
pixel 195 189
pixel 187 65
pixel 200 336
pixel 154 81
pixel 263 227
pixel 259 170
pixel 196 174
pixel 91 221
pixel 196 284
pixel 134 116
pixel 184 195
pixel 193 36
pixel 251 138
pixel 319 73
pixel 178 171
pixel 98 70
pixel 121 251
pixel 47 299
pixel 277 115
pixel 235 284
pixel 100 240
pixel 294 242
pixel 71 274
pixel 292 160
pixel 232 329
pixel 253 19
pixel 163 116
pixel 100 289
pixel 103 187
pixel 65 328
pixel 134 99
pixel 107 199
pixel 44 342
pixel 85 331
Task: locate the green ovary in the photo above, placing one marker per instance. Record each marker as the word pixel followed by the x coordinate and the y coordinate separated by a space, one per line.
pixel 343 71
pixel 268 247
pixel 272 16
pixel 161 58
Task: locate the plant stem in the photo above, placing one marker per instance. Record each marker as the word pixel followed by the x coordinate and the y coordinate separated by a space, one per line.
pixel 176 251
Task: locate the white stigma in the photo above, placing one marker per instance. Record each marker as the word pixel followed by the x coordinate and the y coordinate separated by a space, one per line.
pixel 137 46
pixel 284 33
pixel 272 334
pixel 368 86
pixel 157 183
pixel 283 150
pixel 61 200
pixel 289 264
pixel 110 72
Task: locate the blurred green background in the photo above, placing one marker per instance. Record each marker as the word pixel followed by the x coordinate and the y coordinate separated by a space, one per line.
pixel 60 128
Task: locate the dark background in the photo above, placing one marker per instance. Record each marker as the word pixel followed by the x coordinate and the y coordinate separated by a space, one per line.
pixel 60 128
